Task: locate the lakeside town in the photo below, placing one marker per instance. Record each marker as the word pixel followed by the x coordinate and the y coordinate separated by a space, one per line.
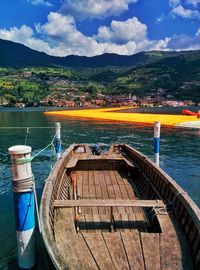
pixel 76 94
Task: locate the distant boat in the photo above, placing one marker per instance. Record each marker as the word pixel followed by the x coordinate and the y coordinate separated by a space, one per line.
pixel 117 210
pixel 187 112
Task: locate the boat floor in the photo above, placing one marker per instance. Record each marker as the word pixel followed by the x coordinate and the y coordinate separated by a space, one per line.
pixel 128 243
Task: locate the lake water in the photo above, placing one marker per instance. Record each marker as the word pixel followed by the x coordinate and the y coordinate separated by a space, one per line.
pixel 180 158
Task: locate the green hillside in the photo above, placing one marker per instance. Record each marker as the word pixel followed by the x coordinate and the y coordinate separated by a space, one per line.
pixel 29 76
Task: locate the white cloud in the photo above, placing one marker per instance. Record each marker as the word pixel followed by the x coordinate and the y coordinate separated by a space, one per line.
pixel 40 2
pixel 193 2
pixel 184 42
pixel 25 35
pixel 17 34
pixel 121 32
pixel 82 9
pixel 61 37
pixel 185 13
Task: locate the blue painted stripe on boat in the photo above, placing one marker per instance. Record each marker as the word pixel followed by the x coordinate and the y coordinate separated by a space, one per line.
pixel 156 148
pixel 24 210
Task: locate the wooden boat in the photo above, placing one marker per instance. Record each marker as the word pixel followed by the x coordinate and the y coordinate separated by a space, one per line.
pixel 117 210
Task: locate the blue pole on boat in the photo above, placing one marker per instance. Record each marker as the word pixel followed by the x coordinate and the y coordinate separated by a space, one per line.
pixel 24 207
pixel 157 143
pixel 58 140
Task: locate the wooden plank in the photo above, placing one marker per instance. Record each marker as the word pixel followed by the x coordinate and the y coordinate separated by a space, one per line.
pixel 133 248
pixel 96 178
pixel 79 184
pixel 174 251
pixel 103 186
pixel 107 177
pixel 151 250
pixel 108 203
pixel 111 193
pixel 72 243
pixel 85 178
pixel 91 178
pixel 89 222
pixel 97 222
pixel 86 195
pixel 104 191
pixel 116 249
pixel 81 222
pixel 98 191
pixel 93 195
pixel 118 196
pixel 117 221
pixel 99 250
pixel 112 177
pixel 105 222
pixel 125 221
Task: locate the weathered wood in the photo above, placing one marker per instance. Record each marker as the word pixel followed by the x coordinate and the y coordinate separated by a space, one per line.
pixel 99 250
pixel 72 243
pixel 131 241
pixel 172 246
pixel 108 203
pixel 151 250
pixel 116 249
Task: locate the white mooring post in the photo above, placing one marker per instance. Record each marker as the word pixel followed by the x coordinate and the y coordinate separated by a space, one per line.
pixel 157 143
pixel 24 205
pixel 58 140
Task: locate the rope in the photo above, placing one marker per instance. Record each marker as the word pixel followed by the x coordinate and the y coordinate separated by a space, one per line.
pixel 26 160
pixel 168 208
pixel 37 208
pixel 25 127
pixel 23 185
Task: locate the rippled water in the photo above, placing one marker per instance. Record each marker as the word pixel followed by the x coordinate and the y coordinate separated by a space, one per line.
pixel 180 158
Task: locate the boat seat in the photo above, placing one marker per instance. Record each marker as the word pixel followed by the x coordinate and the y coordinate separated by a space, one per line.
pixel 72 163
pixel 108 203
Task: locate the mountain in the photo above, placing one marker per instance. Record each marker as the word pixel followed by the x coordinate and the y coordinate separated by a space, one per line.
pixel 18 56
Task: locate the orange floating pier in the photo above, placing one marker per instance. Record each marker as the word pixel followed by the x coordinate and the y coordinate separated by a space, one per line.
pixel 116 114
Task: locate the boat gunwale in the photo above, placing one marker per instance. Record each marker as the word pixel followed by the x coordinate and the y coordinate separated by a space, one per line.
pixel 178 191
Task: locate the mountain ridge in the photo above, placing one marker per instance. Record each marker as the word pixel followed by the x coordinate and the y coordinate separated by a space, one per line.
pixel 16 55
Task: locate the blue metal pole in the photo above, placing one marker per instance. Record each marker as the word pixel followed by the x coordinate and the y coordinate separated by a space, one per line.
pixel 23 204
pixel 157 143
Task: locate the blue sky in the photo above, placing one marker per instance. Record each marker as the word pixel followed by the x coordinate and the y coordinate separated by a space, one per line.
pixel 89 27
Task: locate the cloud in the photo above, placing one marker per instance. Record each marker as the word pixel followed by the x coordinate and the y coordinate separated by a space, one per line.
pixel 193 2
pixel 60 37
pixel 121 32
pixel 185 13
pixel 184 42
pixel 25 35
pixel 40 2
pixel 82 9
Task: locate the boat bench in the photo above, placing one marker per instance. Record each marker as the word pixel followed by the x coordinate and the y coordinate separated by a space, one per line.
pixel 105 203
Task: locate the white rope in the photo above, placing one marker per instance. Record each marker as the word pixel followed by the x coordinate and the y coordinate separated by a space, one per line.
pixel 25 127
pixel 37 209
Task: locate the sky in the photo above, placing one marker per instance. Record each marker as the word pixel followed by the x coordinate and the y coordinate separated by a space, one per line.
pixel 91 27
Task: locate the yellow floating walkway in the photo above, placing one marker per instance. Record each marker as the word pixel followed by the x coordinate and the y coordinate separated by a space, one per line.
pixel 112 114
